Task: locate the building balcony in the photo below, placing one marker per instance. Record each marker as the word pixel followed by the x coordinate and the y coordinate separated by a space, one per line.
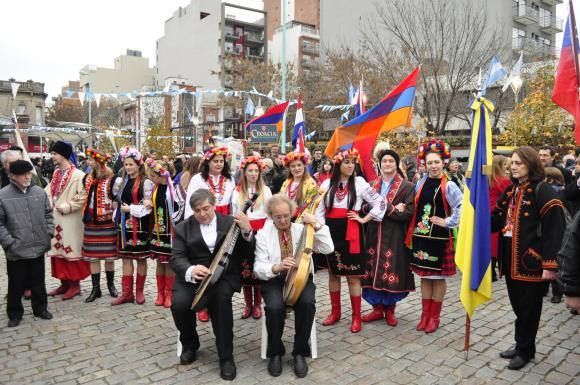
pixel 526 15
pixel 551 25
pixel 257 38
pixel 533 48
pixel 308 63
pixel 552 2
pixel 311 48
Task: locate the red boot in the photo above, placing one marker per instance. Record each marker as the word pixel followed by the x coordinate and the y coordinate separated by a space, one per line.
pixel 59 290
pixel 168 289
pixel 248 301
pixel 139 287
pixel 356 324
pixel 126 291
pixel 202 315
pixel 433 323
pixel 257 302
pixel 390 315
pixel 160 290
pixel 73 290
pixel 425 313
pixel 335 312
pixel 374 315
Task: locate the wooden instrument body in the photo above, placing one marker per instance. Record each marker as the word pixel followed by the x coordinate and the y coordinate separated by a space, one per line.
pixel 297 277
pixel 220 261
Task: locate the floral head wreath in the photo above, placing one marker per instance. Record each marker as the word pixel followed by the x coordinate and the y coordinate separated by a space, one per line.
pixel 100 157
pixel 253 159
pixel 157 168
pixel 350 153
pixel 292 156
pixel 223 151
pixel 436 146
pixel 131 152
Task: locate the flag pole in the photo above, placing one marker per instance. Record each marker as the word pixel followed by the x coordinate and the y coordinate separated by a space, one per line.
pixel 467 334
pixel 574 44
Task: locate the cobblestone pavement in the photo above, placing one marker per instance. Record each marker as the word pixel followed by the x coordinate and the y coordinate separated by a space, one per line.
pixel 131 344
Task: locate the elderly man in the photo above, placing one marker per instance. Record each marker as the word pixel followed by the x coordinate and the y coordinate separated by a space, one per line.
pixel 197 241
pixel 276 245
pixel 26 228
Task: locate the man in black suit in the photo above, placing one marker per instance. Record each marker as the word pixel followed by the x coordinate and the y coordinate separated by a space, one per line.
pixel 197 240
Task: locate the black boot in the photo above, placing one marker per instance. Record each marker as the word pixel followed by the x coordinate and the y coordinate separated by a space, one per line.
pixel 96 292
pixel 493 272
pixel 111 283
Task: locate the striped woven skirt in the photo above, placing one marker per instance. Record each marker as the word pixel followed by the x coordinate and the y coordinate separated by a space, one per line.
pixel 100 242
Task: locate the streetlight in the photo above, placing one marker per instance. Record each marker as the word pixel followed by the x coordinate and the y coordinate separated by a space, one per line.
pixel 516 84
pixel 88 75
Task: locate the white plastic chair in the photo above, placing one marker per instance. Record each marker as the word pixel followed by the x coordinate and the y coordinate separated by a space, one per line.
pixel 264 347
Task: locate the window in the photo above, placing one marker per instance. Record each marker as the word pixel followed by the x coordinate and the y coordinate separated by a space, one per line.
pixel 38 117
pixel 21 108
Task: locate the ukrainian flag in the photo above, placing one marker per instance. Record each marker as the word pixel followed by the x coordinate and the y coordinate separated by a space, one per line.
pixel 473 252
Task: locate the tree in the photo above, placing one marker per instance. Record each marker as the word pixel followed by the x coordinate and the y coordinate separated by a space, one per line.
pixel 536 120
pixel 163 146
pixel 450 39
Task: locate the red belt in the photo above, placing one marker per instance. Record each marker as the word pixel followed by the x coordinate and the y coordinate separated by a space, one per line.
pixel 352 228
pixel 257 224
pixel 225 209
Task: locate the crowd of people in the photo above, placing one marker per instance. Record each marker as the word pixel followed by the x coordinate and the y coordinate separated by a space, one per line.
pixel 83 210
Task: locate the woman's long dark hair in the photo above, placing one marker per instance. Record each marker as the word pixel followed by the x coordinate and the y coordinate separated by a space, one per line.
pixel 334 181
pixel 529 156
pixel 204 169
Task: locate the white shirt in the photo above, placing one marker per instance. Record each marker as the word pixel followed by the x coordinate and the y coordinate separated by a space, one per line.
pixel 197 182
pixel 268 247
pixel 256 211
pixel 364 192
pixel 209 235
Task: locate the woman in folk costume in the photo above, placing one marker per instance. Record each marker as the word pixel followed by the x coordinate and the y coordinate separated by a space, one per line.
pixel 388 277
pixel 67 196
pixel 344 196
pixel 251 182
pixel 299 186
pixel 132 216
pixel 437 211
pixel 167 205
pixel 100 231
pixel 214 176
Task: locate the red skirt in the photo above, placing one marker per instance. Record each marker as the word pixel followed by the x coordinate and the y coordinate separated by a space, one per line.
pixel 69 270
pixel 225 209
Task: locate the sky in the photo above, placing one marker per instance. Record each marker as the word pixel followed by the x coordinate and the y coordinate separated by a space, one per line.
pixel 50 41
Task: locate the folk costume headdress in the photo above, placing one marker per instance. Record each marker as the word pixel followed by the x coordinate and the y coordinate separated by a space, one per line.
pixel 296 155
pixel 158 169
pixel 101 158
pixel 350 153
pixel 253 159
pixel 133 153
pixel 436 146
pixel 223 151
pixel 64 149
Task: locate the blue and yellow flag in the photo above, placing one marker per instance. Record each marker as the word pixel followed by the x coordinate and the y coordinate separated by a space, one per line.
pixel 473 252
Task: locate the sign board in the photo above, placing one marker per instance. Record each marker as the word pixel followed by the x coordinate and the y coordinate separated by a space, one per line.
pixel 263 133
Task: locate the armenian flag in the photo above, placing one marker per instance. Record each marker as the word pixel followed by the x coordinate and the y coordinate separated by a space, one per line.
pixel 274 115
pixel 473 252
pixel 392 112
pixel 566 84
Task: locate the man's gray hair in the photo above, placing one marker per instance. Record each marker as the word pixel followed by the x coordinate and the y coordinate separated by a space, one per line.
pixel 200 196
pixel 278 199
pixel 9 154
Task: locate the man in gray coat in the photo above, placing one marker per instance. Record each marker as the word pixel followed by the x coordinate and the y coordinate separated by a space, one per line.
pixel 26 228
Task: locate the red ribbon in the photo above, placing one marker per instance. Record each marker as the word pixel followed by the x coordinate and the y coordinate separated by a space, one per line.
pixel 352 228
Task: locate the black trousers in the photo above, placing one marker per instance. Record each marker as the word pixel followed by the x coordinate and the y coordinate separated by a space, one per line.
pixel 556 290
pixel 526 299
pixel 28 273
pixel 219 307
pixel 304 310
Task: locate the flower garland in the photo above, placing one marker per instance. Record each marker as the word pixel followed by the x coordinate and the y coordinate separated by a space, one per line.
pixel 131 152
pixel 253 159
pixel 223 151
pixel 436 146
pixel 350 153
pixel 292 156
pixel 100 157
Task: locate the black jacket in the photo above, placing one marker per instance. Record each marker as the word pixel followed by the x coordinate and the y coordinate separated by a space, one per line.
pixel 572 195
pixel 189 249
pixel 569 260
pixel 530 254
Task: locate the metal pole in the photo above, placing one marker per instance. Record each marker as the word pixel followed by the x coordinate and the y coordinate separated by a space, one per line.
pixel 90 112
pixel 283 138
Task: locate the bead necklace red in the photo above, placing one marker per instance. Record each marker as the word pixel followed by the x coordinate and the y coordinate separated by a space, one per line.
pixel 217 188
pixel 292 193
pixel 341 191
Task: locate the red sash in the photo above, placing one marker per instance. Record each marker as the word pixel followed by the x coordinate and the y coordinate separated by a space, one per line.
pixel 225 209
pixel 352 228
